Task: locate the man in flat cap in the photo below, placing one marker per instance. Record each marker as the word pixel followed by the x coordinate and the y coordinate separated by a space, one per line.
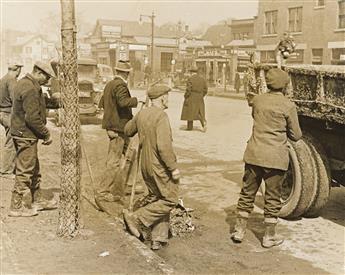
pixel 194 105
pixel 7 84
pixel 266 156
pixel 117 103
pixel 158 168
pixel 28 125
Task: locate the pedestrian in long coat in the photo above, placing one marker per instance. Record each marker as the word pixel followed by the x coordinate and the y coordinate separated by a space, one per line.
pixel 194 105
pixel 266 156
pixel 158 167
pixel 7 85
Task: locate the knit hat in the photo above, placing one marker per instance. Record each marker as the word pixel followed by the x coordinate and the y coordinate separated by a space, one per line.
pixel 277 79
pixel 158 90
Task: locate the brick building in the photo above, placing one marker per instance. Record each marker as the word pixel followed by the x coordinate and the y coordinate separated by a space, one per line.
pixel 318 28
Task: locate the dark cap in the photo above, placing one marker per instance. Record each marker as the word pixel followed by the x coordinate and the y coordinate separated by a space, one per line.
pixel 277 79
pixel 158 90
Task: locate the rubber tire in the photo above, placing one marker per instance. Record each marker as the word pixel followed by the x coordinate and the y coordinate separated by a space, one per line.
pixel 323 177
pixel 304 181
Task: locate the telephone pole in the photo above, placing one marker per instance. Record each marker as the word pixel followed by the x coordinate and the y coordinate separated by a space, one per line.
pixel 69 209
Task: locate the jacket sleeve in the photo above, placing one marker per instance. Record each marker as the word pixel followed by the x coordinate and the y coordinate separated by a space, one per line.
pixel 33 120
pixel 131 127
pixel 11 86
pixel 123 98
pixel 164 143
pixel 293 129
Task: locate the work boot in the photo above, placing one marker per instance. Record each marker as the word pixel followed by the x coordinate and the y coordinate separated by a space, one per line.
pixel 132 223
pixel 41 203
pixel 19 209
pixel 240 230
pixel 270 238
pixel 157 245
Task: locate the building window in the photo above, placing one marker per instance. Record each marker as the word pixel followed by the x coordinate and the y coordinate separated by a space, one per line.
pixel 341 14
pixel 103 60
pixel 267 57
pixel 316 56
pixel 338 54
pixel 296 57
pixel 271 22
pixel 295 19
pixel 320 3
pixel 166 59
pixel 28 50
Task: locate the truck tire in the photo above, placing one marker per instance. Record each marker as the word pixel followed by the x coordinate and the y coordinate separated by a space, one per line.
pixel 299 187
pixel 323 177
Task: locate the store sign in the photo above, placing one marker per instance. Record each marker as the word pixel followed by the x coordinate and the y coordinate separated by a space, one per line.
pixel 133 47
pixel 111 31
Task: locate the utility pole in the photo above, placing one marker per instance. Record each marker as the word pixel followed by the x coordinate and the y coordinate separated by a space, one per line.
pixel 69 215
pixel 152 18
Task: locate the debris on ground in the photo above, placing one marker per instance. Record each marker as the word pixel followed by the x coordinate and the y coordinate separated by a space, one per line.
pixel 181 222
pixel 104 254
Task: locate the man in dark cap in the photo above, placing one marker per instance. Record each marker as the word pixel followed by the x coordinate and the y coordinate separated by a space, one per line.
pixel 28 125
pixel 194 105
pixel 7 84
pixel 267 156
pixel 158 168
pixel 117 103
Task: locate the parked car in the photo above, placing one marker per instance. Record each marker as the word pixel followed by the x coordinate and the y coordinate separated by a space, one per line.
pixel 88 94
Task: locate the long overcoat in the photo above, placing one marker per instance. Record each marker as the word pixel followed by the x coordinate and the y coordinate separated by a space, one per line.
pixel 193 105
pixel 158 159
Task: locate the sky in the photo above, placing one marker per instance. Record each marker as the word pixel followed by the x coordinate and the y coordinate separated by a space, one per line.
pixel 25 15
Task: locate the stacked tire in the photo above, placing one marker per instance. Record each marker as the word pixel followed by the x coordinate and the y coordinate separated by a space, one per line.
pixel 309 175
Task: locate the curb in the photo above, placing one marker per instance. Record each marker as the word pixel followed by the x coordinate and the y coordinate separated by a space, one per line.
pixel 151 257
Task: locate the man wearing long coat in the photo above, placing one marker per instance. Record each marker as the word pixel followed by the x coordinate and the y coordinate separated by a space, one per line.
pixel 158 167
pixel 194 105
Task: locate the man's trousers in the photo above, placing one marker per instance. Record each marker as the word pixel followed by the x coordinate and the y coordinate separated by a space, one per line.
pixel 253 176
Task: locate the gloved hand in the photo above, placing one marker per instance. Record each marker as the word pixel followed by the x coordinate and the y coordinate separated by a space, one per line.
pixel 176 175
pixel 47 141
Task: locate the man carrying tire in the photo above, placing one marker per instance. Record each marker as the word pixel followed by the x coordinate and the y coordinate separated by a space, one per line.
pixel 266 156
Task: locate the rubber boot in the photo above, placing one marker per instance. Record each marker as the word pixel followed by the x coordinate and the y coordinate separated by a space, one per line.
pixel 18 207
pixel 240 229
pixel 41 203
pixel 270 238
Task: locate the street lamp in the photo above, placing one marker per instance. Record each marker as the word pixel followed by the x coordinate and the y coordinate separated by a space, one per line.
pixel 152 18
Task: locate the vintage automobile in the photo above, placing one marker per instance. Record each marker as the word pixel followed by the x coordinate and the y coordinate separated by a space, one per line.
pixel 88 93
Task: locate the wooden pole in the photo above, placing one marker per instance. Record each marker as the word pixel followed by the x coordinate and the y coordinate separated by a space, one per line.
pixel 70 133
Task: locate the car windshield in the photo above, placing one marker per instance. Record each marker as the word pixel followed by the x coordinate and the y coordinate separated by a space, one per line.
pixel 87 71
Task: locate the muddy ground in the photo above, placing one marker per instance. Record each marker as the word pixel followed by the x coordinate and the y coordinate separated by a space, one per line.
pixel 211 167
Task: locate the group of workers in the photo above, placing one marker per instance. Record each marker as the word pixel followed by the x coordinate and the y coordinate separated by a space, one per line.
pixel 266 156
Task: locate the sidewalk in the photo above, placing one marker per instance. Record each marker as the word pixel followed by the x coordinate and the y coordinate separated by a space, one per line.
pixel 30 245
pixel 218 92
